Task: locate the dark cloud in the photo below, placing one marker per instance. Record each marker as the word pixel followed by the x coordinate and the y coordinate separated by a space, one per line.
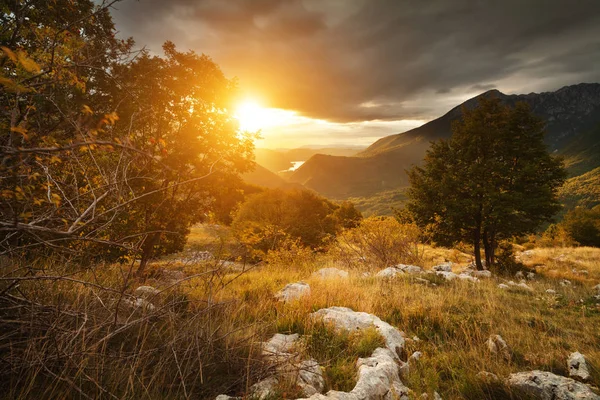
pixel 354 60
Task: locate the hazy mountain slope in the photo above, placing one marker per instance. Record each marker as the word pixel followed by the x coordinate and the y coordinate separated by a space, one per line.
pixel 572 115
pixel 281 160
pixel 261 176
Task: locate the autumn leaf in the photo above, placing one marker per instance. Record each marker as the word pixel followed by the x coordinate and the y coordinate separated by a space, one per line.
pixel 9 53
pixel 28 63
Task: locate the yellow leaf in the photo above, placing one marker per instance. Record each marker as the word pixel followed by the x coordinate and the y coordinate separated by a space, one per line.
pixel 21 130
pixel 9 53
pixel 28 63
pixel 87 110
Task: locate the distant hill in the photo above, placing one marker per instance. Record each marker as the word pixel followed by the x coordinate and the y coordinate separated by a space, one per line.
pixel 572 115
pixel 261 176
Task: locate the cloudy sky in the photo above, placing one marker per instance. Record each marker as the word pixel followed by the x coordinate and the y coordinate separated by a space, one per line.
pixel 346 72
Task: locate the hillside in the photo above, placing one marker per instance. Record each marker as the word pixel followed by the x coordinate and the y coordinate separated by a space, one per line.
pixel 281 160
pixel 572 115
pixel 261 176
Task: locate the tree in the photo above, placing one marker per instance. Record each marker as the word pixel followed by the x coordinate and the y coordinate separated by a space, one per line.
pixel 269 218
pixel 583 225
pixel 493 179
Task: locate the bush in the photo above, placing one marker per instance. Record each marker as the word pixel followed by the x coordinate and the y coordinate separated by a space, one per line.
pixel 583 225
pixel 272 218
pixel 380 242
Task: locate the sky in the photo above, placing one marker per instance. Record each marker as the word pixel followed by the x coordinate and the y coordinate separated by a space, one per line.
pixel 347 72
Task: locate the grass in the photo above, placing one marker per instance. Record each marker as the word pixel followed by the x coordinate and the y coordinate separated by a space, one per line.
pixel 213 338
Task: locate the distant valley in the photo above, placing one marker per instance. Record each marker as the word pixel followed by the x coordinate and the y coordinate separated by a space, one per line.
pixel 377 174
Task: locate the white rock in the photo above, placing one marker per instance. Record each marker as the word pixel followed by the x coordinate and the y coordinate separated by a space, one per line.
pixel 389 272
pixel 138 302
pixel 265 389
pixel 487 377
pixel 436 396
pixel 548 386
pixel 531 275
pixel 578 367
pixel 350 320
pixel 449 276
pixel 415 356
pixel 482 274
pixel 310 377
pixel 225 397
pixel 497 345
pixel 597 288
pixel 146 292
pixel 550 291
pixel 410 269
pixel 466 277
pixel 327 273
pixel 416 339
pixel 446 267
pixel 512 283
pixel 525 286
pixel 565 282
pixel 280 345
pixel 503 286
pixel 293 291
pixel 519 275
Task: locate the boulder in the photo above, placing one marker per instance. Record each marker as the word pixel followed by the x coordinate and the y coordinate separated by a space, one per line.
pixel 447 275
pixel 389 273
pixel 503 286
pixel 487 377
pixel 445 267
pixel 416 356
pixel 225 397
pixel 349 320
pixel 597 288
pixel 578 368
pixel 279 346
pixel 466 277
pixel 550 291
pixel 525 286
pixel 293 291
pixel 481 274
pixel 146 292
pixel 410 269
pixel 378 379
pixel 519 275
pixel 548 386
pixel 497 345
pixel 565 282
pixel 265 389
pixel 531 275
pixel 328 273
pixel 310 377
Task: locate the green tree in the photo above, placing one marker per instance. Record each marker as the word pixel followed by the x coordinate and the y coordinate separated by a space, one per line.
pixel 583 225
pixel 493 179
pixel 269 218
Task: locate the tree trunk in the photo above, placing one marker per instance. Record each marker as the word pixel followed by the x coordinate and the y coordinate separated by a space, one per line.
pixel 487 248
pixel 477 248
pixel 147 249
pixel 492 248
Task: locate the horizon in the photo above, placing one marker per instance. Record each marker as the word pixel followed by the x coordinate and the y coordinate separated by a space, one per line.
pixel 338 73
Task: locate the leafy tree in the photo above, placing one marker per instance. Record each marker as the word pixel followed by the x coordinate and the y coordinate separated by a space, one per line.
pixel 493 179
pixel 268 219
pixel 583 225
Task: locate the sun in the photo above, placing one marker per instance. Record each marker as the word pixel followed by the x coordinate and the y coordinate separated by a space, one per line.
pixel 252 116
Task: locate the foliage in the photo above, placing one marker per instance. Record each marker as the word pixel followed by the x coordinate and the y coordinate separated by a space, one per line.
pixel 555 236
pixel 379 242
pixel 107 151
pixel 493 179
pixel 583 225
pixel 266 220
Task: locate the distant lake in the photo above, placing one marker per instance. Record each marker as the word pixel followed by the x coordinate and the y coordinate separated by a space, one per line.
pixel 295 166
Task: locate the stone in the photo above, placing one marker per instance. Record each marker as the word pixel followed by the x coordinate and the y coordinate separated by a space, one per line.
pixel 503 286
pixel 482 274
pixel 465 277
pixel 410 269
pixel 531 275
pixel 597 288
pixel 347 319
pixel 225 397
pixel 445 267
pixel 265 389
pixel 146 292
pixel 280 344
pixel 550 291
pixel 548 386
pixel 293 291
pixel 578 368
pixel 497 345
pixel 436 396
pixel 519 275
pixel 565 282
pixel 525 286
pixel 415 356
pixel 329 273
pixel 449 276
pixel 416 339
pixel 389 273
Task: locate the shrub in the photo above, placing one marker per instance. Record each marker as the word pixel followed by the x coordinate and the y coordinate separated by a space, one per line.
pixel 583 225
pixel 380 242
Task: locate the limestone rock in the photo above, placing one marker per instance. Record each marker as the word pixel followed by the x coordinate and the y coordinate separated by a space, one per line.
pixel 310 377
pixel 466 277
pixel 565 282
pixel 578 368
pixel 445 267
pixel 447 275
pixel 503 286
pixel 265 389
pixel 293 291
pixel 146 292
pixel 497 345
pixel 550 291
pixel 548 386
pixel 328 273
pixel 525 286
pixel 347 319
pixel 416 356
pixel 389 273
pixel 487 377
pixel 482 274
pixel 409 269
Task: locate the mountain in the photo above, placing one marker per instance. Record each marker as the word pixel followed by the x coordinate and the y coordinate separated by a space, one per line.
pixel 282 160
pixel 572 116
pixel 261 176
